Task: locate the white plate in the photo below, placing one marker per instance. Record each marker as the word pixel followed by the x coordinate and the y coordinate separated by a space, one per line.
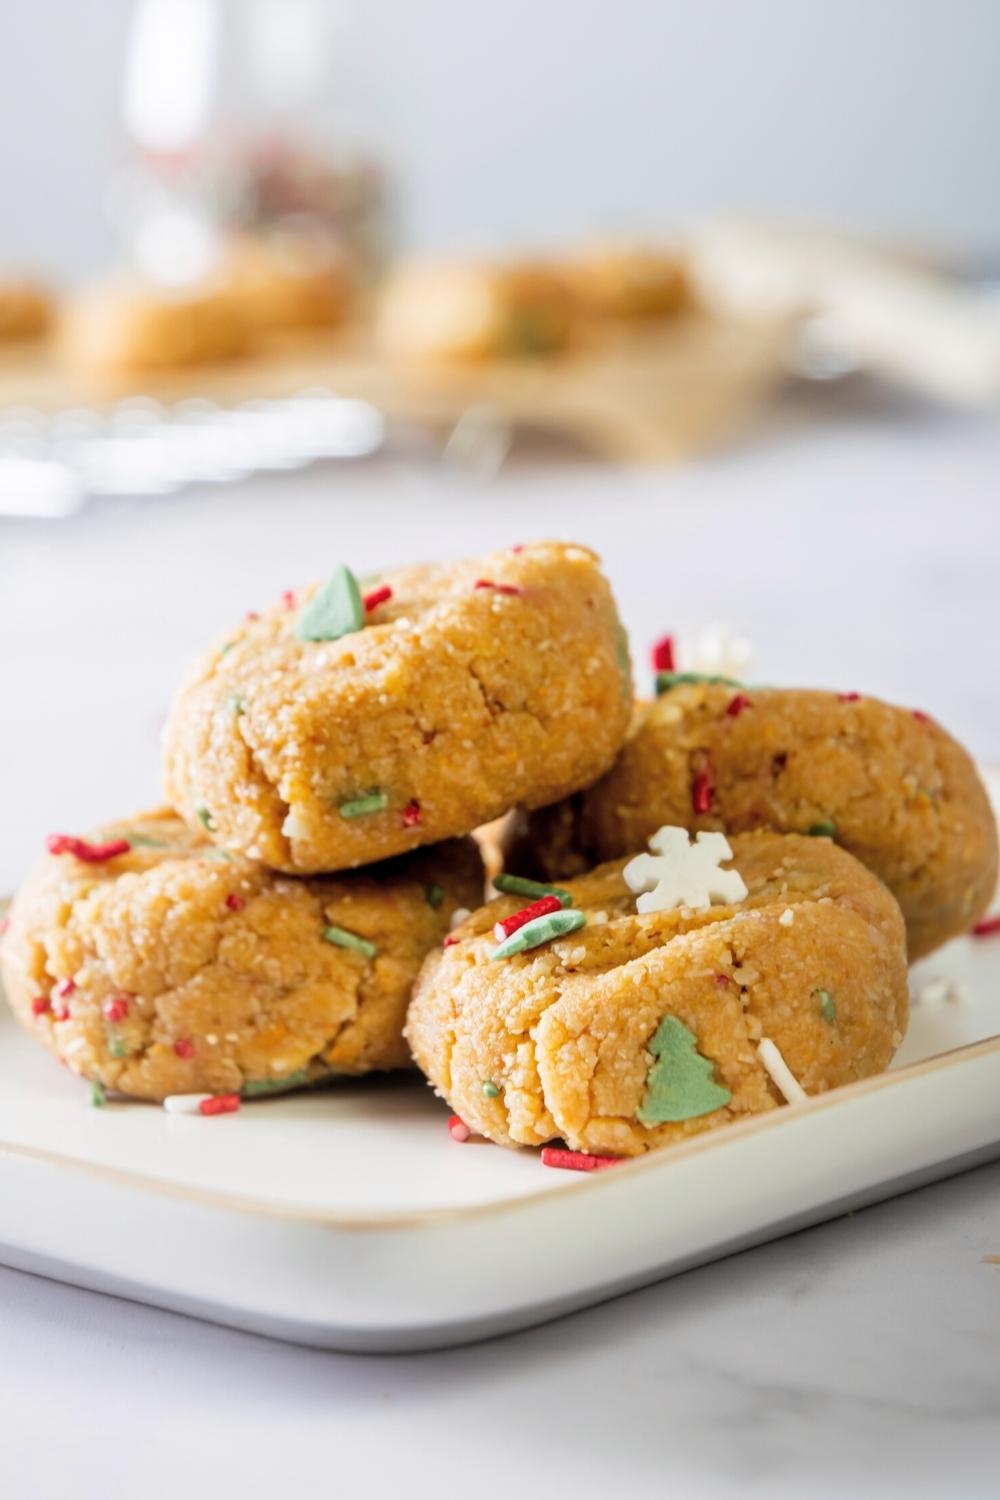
pixel 349 1219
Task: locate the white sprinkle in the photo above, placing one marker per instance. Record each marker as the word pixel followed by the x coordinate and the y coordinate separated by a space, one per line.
pixel 682 873
pixel 294 826
pixel 212 1039
pixel 458 916
pixel 232 1036
pixel 781 1075
pixel 937 992
pixel 184 1104
pixel 787 917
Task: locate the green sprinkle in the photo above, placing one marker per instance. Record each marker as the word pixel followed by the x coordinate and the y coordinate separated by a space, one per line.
pixel 667 680
pixel 118 1048
pixel 345 939
pixel 217 854
pixel 227 647
pixel 516 885
pixel 253 1088
pixel 826 828
pixel 334 610
pixel 238 704
pixel 538 931
pixel 98 1098
pixel 827 1006
pixel 621 647
pixel 371 802
pixel 143 841
pixel 490 1089
pixel 434 895
pixel 680 1085
pixel 205 818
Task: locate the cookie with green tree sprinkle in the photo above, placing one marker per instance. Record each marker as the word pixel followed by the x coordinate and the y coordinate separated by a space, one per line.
pixel 645 1024
pixel 343 728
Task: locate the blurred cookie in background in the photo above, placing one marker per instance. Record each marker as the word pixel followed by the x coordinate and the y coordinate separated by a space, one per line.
pixel 26 309
pixel 123 327
pixel 628 281
pixel 285 281
pixel 474 311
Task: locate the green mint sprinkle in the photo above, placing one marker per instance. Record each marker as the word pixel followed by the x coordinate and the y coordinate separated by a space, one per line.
pixel 827 1006
pixel 370 802
pixel 253 1088
pixel 345 939
pixel 98 1098
pixel 826 828
pixel 490 1089
pixel 227 647
pixel 334 610
pixel 667 680
pixel 516 885
pixel 117 1047
pixel 143 841
pixel 538 931
pixel 434 895
pixel 217 854
pixel 238 704
pixel 205 818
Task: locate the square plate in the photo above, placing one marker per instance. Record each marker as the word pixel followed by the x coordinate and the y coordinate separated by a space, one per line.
pixel 347 1218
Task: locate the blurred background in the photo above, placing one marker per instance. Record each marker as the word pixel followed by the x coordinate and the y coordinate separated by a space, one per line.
pixel 285 283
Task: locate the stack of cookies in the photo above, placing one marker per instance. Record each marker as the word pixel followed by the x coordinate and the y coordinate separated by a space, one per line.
pixel 311 904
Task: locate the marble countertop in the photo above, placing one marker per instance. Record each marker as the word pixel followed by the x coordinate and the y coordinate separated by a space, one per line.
pixel 858 1358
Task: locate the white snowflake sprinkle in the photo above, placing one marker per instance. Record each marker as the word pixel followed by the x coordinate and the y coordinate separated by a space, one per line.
pixel 681 873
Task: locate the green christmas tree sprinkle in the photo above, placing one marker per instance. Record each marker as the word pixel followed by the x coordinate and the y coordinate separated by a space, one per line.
pixel 336 609
pixel 680 1085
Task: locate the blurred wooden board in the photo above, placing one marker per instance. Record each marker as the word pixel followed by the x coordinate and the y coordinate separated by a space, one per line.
pixel 634 396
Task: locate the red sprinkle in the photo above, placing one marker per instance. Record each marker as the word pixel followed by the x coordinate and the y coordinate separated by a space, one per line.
pixel 235 901
pixel 539 908
pixel 500 588
pixel 921 717
pixel 61 1014
pixel 701 791
pixel 40 1005
pixel 220 1104
pixel 518 547
pixel 736 705
pixel 450 939
pixel 184 1047
pixel 377 597
pixel 848 697
pixel 412 816
pixel 722 980
pixel 4 924
pixel 65 988
pixel 987 927
pixel 252 614
pixel 116 1008
pixel 663 655
pixel 457 1128
pixel 577 1161
pixel 288 598
pixel 91 854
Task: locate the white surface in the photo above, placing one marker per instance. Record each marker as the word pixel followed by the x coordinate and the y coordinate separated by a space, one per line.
pixel 541 118
pixel 857 1358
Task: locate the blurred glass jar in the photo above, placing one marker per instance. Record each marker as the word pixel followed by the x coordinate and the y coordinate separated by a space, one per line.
pixel 242 126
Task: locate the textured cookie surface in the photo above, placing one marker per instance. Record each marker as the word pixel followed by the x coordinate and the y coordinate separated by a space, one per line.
pixel 889 785
pixel 475 686
pixel 173 968
pixel 572 1039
